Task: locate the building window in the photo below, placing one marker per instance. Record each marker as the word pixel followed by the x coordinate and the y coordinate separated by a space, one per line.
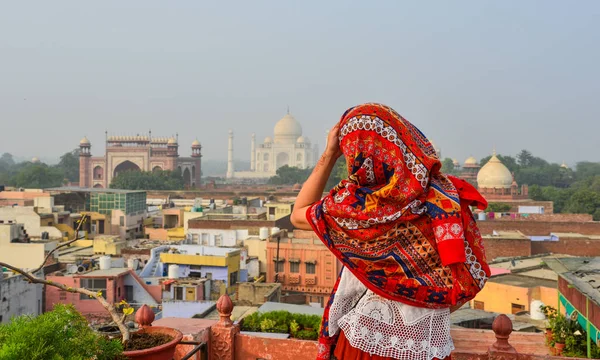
pixel 310 268
pixel 279 266
pixel 478 305
pixel 266 157
pixel 122 221
pixel 94 285
pixel 516 308
pixel 294 267
pixel 178 293
pixel 233 278
pixel 204 239
pixel 218 240
pixel 195 238
pixel 63 295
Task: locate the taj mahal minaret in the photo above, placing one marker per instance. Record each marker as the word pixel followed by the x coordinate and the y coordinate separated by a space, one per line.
pixel 287 147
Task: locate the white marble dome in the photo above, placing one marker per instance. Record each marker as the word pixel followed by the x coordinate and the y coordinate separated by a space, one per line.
pixel 494 175
pixel 287 130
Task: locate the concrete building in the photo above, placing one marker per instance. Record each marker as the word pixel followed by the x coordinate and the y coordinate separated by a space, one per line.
pixel 36 225
pixel 17 249
pixel 18 297
pixel 110 211
pixel 137 153
pixel 287 147
pixel 303 265
pixel 116 284
pixel 199 261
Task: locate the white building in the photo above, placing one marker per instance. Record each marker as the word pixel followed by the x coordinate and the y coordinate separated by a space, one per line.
pixel 18 297
pixel 287 147
pixel 17 251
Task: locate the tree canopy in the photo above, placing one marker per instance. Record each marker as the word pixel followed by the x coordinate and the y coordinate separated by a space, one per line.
pixel 39 175
pixel 149 180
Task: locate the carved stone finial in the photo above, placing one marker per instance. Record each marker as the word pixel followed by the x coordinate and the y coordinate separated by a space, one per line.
pixel 502 327
pixel 225 307
pixel 144 316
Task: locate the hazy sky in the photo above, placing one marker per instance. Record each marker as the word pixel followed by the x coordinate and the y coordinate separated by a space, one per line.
pixel 470 74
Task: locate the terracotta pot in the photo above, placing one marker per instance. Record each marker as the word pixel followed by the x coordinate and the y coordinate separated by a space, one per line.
pixel 548 335
pixel 552 351
pixel 559 347
pixel 163 352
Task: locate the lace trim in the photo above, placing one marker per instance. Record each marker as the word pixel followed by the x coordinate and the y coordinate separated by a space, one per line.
pixel 388 328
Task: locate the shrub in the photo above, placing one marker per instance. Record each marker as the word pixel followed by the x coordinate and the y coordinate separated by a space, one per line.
pixel 62 333
pixel 297 325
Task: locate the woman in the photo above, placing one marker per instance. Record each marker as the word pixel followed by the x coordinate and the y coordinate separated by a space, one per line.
pixel 409 245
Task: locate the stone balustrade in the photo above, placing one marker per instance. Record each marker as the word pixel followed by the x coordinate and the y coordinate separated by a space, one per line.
pixel 227 343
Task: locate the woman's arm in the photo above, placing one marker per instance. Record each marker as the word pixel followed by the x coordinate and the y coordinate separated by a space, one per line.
pixel 312 189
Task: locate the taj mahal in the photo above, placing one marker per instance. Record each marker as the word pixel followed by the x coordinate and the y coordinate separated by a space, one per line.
pixel 286 147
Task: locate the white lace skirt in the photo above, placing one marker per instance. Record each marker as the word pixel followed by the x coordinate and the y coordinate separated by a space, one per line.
pixel 388 328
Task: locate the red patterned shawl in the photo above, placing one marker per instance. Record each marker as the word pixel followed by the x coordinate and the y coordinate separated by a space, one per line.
pixel 397 223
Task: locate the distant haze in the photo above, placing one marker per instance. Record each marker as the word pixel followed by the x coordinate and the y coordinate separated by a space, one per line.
pixel 470 74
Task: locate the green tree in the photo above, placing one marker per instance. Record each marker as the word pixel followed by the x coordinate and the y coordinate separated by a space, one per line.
pixel 448 166
pixel 498 207
pixel 524 158
pixel 37 176
pixel 586 169
pixel 290 175
pixel 148 180
pixel 584 201
pixel 69 165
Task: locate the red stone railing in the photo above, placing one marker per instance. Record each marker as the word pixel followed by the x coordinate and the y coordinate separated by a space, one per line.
pixel 227 343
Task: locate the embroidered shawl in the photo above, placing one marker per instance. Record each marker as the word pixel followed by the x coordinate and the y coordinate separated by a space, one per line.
pixel 403 228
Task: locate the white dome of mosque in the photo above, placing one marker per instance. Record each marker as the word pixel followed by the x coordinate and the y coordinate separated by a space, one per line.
pixel 196 143
pixel 455 162
pixel 84 141
pixel 172 141
pixel 303 140
pixel 494 175
pixel 287 129
pixel 35 160
pixel 268 140
pixel 471 161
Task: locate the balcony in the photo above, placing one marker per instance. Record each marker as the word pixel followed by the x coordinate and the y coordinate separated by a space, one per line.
pixel 226 341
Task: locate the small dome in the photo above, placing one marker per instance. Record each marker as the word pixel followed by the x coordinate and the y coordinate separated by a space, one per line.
pixel 455 162
pixel 35 160
pixel 303 140
pixel 494 175
pixel 297 187
pixel 471 161
pixel 196 143
pixel 564 165
pixel 84 141
pixel 172 141
pixel 287 129
pixel 268 140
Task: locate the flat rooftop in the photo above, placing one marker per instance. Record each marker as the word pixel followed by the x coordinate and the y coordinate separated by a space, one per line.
pixel 106 272
pixel 522 281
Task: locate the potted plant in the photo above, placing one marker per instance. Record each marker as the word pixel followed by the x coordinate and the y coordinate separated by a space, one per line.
pixel 550 314
pixel 162 340
pixel 559 333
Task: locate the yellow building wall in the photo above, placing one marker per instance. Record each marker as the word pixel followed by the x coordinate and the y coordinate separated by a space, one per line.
pixel 183 259
pixel 83 243
pixel 64 228
pixel 258 248
pixel 499 297
pixel 176 233
pixel 281 210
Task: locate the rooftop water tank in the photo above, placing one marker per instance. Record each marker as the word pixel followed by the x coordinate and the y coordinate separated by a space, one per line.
pixel 536 311
pixel 105 262
pixel 263 233
pixel 173 271
pixel 275 230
